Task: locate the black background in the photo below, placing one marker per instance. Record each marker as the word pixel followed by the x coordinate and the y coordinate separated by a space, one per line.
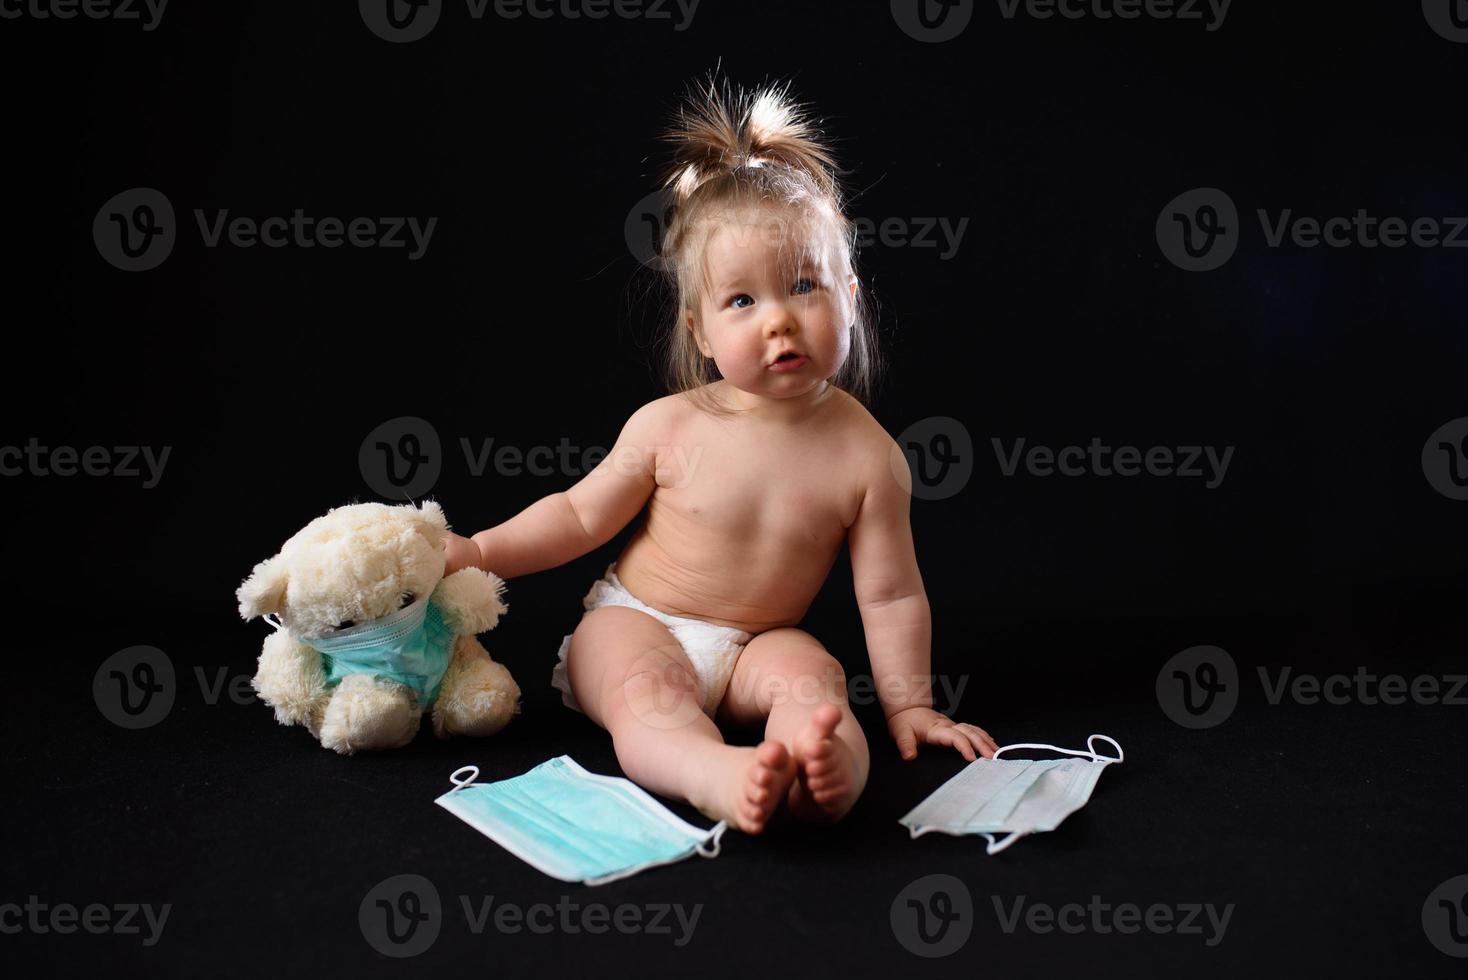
pixel 529 321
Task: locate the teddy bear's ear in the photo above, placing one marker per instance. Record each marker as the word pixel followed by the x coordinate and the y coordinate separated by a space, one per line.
pixel 264 591
pixel 431 521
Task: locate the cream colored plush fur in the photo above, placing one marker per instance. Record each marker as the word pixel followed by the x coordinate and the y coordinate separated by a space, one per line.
pixel 357 563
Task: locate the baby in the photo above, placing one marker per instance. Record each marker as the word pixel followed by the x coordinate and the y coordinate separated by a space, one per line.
pixel 752 477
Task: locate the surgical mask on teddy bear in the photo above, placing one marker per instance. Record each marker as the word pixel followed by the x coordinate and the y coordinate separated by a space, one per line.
pixel 411 646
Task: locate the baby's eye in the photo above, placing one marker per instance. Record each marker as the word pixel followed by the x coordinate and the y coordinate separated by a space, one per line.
pixel 809 285
pixel 735 301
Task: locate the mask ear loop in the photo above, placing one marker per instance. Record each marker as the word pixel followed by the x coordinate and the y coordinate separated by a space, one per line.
pixel 1089 750
pixel 994 848
pixel 1119 757
pixel 273 620
pixel 473 774
pixel 713 842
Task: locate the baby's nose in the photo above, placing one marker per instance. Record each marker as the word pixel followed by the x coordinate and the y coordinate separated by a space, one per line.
pixel 780 322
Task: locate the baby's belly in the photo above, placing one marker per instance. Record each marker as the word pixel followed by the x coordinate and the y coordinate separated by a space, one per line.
pixel 739 584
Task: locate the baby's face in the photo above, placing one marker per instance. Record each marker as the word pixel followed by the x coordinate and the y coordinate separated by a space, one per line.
pixel 762 302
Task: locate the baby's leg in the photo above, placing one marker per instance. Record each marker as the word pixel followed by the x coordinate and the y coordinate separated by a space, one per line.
pixel 631 677
pixel 787 679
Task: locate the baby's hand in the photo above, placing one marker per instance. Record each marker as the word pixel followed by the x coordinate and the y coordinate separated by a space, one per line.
pixel 459 552
pixel 914 726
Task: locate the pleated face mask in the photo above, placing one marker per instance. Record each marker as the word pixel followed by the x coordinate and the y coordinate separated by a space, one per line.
pixel 412 646
pixel 1012 796
pixel 577 825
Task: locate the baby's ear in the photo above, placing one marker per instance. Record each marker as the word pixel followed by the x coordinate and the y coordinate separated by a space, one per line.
pixel 691 322
pixel 430 521
pixel 264 591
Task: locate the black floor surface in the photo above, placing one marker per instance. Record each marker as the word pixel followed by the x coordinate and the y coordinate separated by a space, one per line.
pixel 1318 831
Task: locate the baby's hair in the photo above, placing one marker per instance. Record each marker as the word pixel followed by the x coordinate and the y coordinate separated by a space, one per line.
pixel 738 152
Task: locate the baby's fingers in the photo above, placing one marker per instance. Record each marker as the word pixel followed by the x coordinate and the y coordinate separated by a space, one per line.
pixel 906 741
pixel 985 742
pixel 951 735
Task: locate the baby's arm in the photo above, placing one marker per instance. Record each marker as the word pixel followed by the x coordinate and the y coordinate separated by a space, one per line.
pixel 896 617
pixel 563 526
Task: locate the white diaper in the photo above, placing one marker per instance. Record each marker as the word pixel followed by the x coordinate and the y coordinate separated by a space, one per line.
pixel 711 649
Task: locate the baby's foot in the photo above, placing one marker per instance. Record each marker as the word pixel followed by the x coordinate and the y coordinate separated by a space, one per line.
pixel 827 783
pixel 754 784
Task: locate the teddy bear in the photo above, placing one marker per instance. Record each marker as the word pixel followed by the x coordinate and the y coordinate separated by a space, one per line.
pixel 370 634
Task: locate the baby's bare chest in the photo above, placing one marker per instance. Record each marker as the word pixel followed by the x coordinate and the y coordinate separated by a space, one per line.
pixel 759 488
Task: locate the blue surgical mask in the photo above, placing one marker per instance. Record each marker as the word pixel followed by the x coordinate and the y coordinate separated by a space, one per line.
pixel 1012 796
pixel 411 646
pixel 577 825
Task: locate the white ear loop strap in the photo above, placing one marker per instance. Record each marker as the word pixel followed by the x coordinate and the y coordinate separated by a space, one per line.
pixel 713 842
pixel 994 848
pixel 473 774
pixel 1090 750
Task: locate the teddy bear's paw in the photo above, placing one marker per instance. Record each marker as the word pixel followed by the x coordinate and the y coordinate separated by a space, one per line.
pixel 290 679
pixel 369 713
pixel 478 699
pixel 316 716
pixel 470 600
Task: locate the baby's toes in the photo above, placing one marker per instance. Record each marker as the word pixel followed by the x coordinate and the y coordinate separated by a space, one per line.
pixel 764 784
pixel 820 769
pixel 815 739
pixel 756 795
